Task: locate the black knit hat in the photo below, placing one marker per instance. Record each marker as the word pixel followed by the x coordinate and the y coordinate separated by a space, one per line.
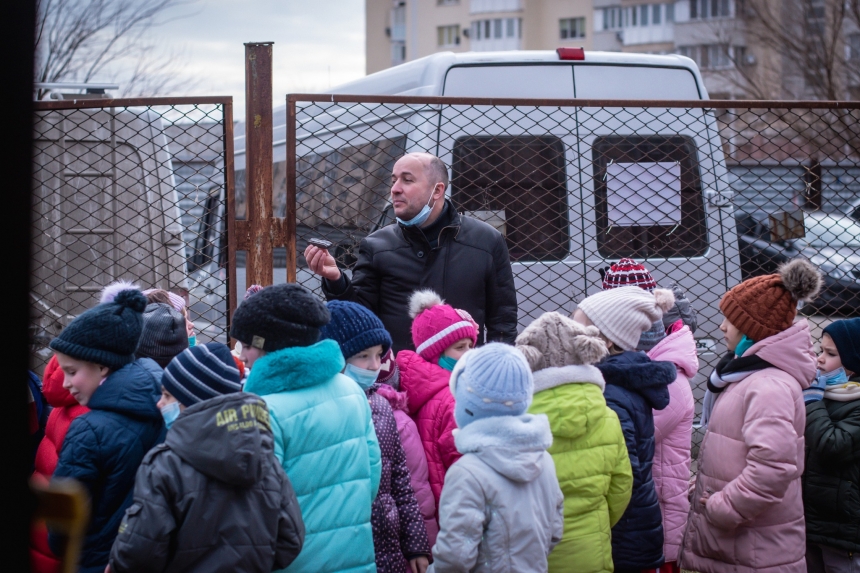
pixel 106 334
pixel 280 316
pixel 164 334
pixel 202 372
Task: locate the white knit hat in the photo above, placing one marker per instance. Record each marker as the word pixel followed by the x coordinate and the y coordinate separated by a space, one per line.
pixel 623 314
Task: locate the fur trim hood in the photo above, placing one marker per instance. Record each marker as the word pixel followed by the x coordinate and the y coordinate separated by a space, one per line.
pixel 552 377
pixel 511 445
pixel 295 368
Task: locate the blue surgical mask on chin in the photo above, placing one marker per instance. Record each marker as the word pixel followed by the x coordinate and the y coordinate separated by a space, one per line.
pixel 834 377
pixel 170 413
pixel 420 218
pixel 363 377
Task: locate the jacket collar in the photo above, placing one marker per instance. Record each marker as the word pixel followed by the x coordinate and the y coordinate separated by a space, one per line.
pixel 448 219
pixel 638 373
pixel 295 368
pixel 573 374
pixel 133 390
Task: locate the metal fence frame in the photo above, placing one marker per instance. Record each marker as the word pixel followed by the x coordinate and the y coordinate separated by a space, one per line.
pixel 227 136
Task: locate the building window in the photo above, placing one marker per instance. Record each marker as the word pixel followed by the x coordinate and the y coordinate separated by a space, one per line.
pixel 670 12
pixel 448 35
pixel 655 14
pixel 714 56
pixel 570 28
pixel 496 29
pixel 510 28
pixel 398 23
pixel 704 9
pixel 643 15
pixel 447 2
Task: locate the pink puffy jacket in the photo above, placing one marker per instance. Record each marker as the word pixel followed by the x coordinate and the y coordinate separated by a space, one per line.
pixel 673 432
pixel 750 465
pixel 416 461
pixel 431 405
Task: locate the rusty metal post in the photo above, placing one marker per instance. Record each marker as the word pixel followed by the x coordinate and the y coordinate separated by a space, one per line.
pixel 258 161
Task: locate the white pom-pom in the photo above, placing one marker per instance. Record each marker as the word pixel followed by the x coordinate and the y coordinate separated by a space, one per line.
pixel 422 300
pixel 109 292
pixel 664 298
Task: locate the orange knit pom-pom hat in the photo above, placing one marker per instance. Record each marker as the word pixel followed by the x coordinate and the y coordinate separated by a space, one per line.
pixel 764 306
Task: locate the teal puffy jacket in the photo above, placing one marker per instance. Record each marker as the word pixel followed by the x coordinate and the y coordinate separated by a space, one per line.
pixel 325 440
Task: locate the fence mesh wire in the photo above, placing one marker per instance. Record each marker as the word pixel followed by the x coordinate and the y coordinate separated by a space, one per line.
pixel 133 192
pixel 703 197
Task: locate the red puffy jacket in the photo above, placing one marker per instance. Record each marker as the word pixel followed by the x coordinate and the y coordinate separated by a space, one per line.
pixel 66 409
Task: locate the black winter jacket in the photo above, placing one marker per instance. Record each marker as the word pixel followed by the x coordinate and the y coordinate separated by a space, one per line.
pixel 470 269
pixel 104 448
pixel 212 498
pixel 831 481
pixel 635 386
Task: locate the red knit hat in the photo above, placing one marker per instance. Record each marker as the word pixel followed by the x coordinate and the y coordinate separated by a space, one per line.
pixel 628 272
pixel 764 306
pixel 436 325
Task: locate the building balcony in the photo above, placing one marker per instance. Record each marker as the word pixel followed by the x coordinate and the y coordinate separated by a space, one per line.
pixel 485 6
pixel 634 35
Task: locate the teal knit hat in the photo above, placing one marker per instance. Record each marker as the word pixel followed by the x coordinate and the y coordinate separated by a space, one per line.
pixel 494 380
pixel 106 334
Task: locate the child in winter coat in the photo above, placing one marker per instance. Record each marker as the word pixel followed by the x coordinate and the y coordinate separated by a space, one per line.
pixel 416 460
pixel 501 507
pixel 673 427
pixel 588 448
pixel 441 334
pixel 104 447
pixel 212 498
pixel 635 387
pixel 831 482
pixel 746 509
pixel 399 537
pixel 65 409
pixel 321 424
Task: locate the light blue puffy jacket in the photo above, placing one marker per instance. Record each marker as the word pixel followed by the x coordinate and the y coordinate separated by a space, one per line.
pixel 325 440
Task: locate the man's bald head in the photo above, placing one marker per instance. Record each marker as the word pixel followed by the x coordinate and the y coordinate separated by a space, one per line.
pixel 435 168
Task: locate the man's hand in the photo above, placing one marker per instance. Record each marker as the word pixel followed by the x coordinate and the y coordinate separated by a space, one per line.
pixel 322 263
pixel 419 564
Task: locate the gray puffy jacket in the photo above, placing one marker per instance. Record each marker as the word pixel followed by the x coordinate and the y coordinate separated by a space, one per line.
pixel 213 497
pixel 501 509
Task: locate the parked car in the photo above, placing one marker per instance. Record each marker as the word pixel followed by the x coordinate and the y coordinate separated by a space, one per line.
pixel 832 243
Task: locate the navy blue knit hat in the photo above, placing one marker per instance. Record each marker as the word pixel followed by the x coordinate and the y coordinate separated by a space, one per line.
pixel 846 337
pixel 202 372
pixel 354 328
pixel 106 334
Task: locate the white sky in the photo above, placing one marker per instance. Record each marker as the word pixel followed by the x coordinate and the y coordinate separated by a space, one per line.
pixel 318 44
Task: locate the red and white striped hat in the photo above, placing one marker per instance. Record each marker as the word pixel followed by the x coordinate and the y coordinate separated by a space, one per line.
pixel 628 272
pixel 436 325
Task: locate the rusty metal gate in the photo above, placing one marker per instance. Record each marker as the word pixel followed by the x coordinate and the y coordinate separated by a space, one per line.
pixel 134 189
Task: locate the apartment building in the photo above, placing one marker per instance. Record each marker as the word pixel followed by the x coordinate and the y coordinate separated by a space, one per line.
pixel 403 30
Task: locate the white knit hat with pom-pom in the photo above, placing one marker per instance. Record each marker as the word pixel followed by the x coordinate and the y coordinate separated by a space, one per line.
pixel 623 314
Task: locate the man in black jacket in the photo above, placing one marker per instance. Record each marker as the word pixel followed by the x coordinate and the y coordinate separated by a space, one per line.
pixel 432 247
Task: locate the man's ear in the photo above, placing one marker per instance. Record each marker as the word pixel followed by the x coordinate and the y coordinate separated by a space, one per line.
pixel 439 190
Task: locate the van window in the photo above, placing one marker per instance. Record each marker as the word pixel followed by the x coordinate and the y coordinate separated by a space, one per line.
pixel 687 237
pixel 524 81
pixel 630 81
pixel 516 183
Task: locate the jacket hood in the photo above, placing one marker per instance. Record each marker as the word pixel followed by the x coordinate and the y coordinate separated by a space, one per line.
pixel 577 400
pixel 791 351
pixel 511 445
pixel 679 348
pixel 52 386
pixel 295 368
pixel 133 390
pixel 227 438
pixel 421 380
pixel 636 372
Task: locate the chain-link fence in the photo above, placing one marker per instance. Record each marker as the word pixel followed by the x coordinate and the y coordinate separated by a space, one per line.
pixel 133 190
pixel 704 194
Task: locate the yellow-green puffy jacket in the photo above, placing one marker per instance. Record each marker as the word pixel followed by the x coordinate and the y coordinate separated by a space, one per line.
pixel 591 462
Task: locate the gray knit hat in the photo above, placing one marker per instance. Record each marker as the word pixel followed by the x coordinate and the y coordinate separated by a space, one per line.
pixel 164 334
pixel 623 314
pixel 554 340
pixel 683 310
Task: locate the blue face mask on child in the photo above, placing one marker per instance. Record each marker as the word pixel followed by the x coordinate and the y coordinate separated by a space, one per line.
pixel 447 363
pixel 832 378
pixel 420 218
pixel 744 345
pixel 170 413
pixel 192 341
pixel 363 377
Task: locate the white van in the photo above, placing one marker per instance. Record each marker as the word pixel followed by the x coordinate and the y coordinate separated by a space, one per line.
pixel 105 208
pixel 565 185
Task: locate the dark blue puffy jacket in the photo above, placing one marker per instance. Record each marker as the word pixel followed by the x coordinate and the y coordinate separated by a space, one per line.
pixel 634 386
pixel 104 448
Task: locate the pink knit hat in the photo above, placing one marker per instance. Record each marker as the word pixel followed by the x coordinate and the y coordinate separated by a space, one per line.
pixel 436 325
